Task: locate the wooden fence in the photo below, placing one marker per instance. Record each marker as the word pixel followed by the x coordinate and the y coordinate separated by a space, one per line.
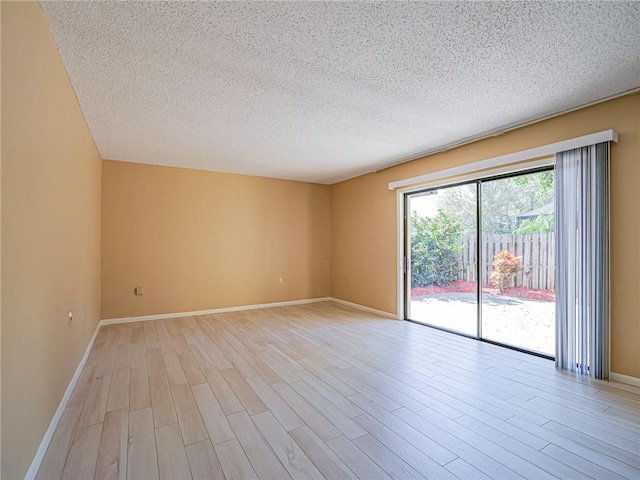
pixel 537 251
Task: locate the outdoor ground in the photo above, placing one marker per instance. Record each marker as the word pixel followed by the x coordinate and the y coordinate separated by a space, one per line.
pixel 519 317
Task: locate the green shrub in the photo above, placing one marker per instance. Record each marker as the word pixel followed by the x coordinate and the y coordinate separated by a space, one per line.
pixel 435 249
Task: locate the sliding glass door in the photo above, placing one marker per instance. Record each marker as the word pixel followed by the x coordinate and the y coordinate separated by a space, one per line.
pixel 480 260
pixel 517 261
pixel 443 290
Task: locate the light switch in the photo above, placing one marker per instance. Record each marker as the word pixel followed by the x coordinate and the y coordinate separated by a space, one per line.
pixel 138 290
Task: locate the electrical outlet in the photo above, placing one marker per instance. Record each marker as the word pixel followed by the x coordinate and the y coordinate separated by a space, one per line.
pixel 280 280
pixel 70 318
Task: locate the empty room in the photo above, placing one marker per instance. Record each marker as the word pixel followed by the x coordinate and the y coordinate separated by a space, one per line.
pixel 320 240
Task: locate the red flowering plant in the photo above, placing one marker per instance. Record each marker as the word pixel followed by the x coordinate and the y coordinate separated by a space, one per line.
pixel 505 267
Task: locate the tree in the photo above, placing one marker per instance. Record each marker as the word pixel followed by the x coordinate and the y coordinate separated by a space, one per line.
pixel 502 201
pixel 435 249
pixel 541 223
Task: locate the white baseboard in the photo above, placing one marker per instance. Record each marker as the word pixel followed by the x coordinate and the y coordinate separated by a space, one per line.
pixel 362 307
pixel 618 377
pixel 161 316
pixel 44 444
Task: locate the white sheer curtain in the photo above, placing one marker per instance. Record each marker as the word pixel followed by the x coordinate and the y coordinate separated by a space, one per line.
pixel 582 262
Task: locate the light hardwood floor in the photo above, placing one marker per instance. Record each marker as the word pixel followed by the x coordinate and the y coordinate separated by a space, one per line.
pixel 326 391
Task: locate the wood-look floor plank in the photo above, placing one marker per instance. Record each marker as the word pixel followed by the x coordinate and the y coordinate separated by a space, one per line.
pixel 150 335
pixel 533 441
pixel 358 461
pixel 193 429
pixel 155 362
pixel 336 398
pixel 203 338
pixel 237 360
pixel 290 454
pixel 495 435
pixel 228 400
pixel 385 458
pixel 81 462
pixel 318 423
pixel 234 461
pixel 123 356
pixel 138 355
pixel 409 431
pixel 578 463
pixel 124 337
pixel 278 366
pixel 469 406
pixel 495 451
pixel 625 464
pixel 106 362
pixel 462 469
pixel 172 328
pixel 391 392
pixel 164 338
pixel 375 395
pixel 172 457
pixel 283 412
pixel 439 403
pixel 173 367
pixel 164 412
pixel 112 454
pixel 323 374
pixel 490 466
pixel 603 448
pixel 142 458
pixel 180 343
pixel 404 449
pixel 262 369
pixel 342 422
pixel 264 461
pixel 214 418
pixel 189 336
pixel 221 362
pixel 139 392
pixel 96 403
pixel 320 454
pixel 81 390
pixel 245 394
pixel 191 370
pixel 137 333
pixel 204 462
pixel 615 434
pixel 202 358
pixel 119 389
pixel 53 462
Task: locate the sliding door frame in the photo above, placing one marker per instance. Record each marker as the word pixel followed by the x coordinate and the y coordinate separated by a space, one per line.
pixel 404 243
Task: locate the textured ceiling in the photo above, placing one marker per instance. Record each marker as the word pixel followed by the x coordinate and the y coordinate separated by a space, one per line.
pixel 322 92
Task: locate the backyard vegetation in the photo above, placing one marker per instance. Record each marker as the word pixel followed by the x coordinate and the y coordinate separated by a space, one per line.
pixel 515 206
pixel 435 249
pixel 516 275
pixel 505 267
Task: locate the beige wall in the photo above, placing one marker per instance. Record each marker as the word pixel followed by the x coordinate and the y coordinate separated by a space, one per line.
pixel 50 233
pixel 363 214
pixel 0 251
pixel 197 240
